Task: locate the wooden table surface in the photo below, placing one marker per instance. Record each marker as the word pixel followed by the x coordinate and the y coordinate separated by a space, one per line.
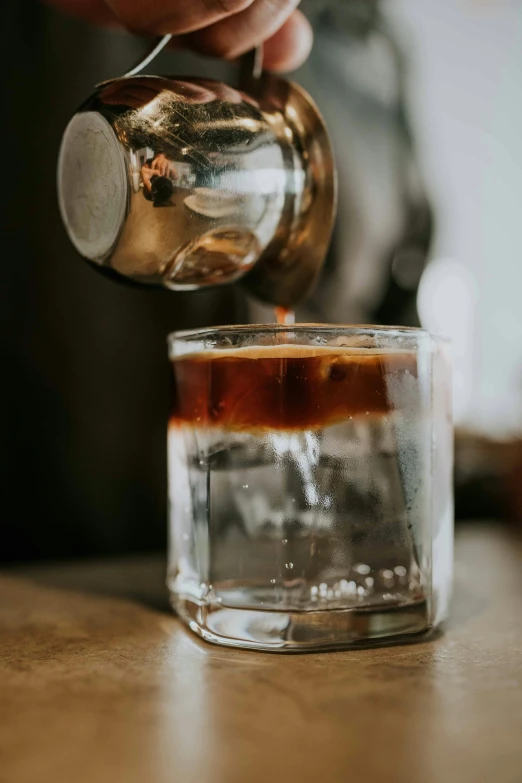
pixel 99 683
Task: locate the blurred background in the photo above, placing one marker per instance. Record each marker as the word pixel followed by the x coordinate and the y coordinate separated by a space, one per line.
pixel 422 98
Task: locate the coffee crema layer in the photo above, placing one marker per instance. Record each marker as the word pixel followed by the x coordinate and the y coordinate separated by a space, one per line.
pixel 285 387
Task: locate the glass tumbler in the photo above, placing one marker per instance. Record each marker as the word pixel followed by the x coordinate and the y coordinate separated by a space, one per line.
pixel 310 485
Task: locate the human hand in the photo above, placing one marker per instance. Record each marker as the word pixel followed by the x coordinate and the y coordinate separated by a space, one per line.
pixel 222 28
pixel 163 167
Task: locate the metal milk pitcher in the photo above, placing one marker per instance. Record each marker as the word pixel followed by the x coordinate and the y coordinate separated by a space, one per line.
pixel 190 183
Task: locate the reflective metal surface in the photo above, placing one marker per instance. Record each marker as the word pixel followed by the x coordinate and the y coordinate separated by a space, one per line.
pixel 191 183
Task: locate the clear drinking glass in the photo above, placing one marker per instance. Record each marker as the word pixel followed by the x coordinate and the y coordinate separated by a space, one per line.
pixel 310 484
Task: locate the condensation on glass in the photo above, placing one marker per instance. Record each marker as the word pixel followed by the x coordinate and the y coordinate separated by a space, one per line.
pixel 310 485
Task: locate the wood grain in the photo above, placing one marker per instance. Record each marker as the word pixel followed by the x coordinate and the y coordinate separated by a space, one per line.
pixel 100 683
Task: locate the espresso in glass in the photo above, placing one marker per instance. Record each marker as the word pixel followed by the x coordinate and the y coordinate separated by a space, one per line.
pixel 302 466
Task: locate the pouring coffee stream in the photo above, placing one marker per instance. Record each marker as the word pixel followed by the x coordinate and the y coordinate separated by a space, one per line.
pixel 284 316
pixel 191 183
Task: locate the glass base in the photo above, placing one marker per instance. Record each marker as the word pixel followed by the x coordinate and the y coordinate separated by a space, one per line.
pixel 293 631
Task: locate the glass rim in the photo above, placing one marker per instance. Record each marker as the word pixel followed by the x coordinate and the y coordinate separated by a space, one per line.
pixel 244 329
